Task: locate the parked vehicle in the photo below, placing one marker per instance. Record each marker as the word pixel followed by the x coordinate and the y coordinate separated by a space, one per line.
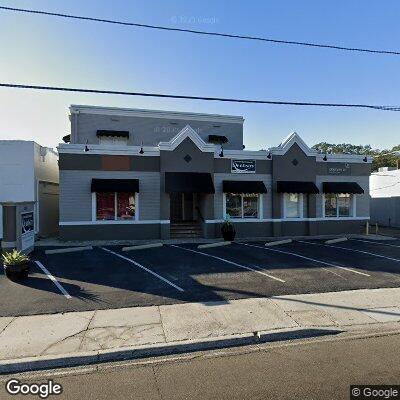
pixel 16 264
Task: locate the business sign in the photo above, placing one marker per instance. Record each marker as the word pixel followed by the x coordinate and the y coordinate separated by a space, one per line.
pixel 27 230
pixel 339 169
pixel 243 166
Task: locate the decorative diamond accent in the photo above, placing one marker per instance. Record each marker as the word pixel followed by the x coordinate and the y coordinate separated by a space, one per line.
pixel 295 162
pixel 187 158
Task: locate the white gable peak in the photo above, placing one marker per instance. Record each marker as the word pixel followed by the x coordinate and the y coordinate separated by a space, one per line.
pixel 187 132
pixel 289 141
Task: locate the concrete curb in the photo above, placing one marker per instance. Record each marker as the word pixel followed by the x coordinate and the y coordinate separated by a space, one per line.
pixel 68 250
pixel 209 245
pixel 338 240
pixel 143 246
pixel 278 242
pixel 30 364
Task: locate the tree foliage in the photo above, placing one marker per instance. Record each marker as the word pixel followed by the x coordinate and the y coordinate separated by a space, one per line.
pixel 382 158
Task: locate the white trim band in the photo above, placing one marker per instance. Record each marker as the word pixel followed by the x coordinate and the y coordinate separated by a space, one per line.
pixel 112 222
pixel 233 220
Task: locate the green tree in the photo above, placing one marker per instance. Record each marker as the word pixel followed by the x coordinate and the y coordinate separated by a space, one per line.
pixel 382 158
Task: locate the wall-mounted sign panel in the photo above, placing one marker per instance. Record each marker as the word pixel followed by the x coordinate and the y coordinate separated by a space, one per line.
pixel 339 169
pixel 243 166
pixel 27 230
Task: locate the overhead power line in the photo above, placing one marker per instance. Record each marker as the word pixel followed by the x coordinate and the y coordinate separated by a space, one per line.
pixel 175 96
pixel 208 33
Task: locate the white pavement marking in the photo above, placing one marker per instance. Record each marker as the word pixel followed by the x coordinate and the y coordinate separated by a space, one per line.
pixel 337 240
pixel 278 242
pixel 68 250
pixel 307 258
pixel 357 251
pixel 144 268
pixel 378 243
pixel 217 244
pixel 51 277
pixel 142 246
pixel 230 262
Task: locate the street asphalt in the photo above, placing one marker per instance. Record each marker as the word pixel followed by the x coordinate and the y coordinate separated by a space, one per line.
pixel 307 370
pixel 102 279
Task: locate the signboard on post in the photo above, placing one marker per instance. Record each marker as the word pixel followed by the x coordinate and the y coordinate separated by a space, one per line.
pixel 27 230
pixel 243 166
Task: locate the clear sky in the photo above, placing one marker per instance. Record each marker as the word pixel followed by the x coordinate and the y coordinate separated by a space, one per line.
pixel 52 51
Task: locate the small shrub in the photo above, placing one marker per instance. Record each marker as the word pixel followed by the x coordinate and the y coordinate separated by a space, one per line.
pixel 15 257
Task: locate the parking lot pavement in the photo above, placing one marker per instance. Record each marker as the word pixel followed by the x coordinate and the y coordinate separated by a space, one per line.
pixel 106 277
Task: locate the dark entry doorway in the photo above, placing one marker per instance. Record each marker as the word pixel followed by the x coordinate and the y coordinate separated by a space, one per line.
pixel 182 207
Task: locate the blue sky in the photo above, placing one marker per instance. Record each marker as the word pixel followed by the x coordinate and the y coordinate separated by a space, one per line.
pixel 51 51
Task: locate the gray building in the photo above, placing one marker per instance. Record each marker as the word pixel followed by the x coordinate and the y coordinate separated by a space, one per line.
pixel 143 174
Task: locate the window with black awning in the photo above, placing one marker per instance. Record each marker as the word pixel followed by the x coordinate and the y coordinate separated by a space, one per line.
pixel 244 187
pixel 296 187
pixel 115 185
pixel 189 182
pixel 110 133
pixel 342 187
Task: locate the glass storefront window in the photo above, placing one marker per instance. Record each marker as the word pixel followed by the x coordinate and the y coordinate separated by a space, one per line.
pixel 241 205
pixel 105 206
pixel 125 206
pixel 115 206
pixel 250 206
pixel 338 205
pixel 234 205
pixel 330 205
pixel 292 205
pixel 343 201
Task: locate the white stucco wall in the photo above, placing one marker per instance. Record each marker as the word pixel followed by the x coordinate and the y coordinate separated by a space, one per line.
pixel 21 167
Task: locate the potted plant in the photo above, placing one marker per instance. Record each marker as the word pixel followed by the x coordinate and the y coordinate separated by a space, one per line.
pixel 228 231
pixel 16 264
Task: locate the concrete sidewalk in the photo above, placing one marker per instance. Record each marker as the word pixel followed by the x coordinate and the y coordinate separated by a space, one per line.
pixel 45 341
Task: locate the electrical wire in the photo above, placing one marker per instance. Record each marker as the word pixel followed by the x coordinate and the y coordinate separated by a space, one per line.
pixel 222 99
pixel 198 32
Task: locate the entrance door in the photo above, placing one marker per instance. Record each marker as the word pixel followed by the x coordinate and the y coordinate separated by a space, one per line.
pixel 181 207
pixel 176 209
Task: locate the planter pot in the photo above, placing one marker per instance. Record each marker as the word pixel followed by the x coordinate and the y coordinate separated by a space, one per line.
pixel 15 272
pixel 229 236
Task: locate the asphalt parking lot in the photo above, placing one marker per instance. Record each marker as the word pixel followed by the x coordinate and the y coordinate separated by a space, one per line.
pixel 106 277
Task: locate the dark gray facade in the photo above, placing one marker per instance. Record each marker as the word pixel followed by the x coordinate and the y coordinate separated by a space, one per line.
pixel 187 150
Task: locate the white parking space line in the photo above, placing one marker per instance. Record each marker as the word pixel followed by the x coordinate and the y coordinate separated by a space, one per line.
pixel 378 243
pixel 51 277
pixel 144 268
pixel 260 271
pixel 354 250
pixel 308 258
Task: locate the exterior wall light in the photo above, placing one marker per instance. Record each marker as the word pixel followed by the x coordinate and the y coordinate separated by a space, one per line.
pixel 325 157
pixel 141 151
pixel 269 156
pixel 221 153
pixel 86 146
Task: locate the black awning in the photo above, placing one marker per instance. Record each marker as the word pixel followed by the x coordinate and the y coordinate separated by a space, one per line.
pixel 66 138
pixel 218 139
pixel 115 185
pixel 188 182
pixel 342 187
pixel 296 187
pixel 243 187
pixel 124 134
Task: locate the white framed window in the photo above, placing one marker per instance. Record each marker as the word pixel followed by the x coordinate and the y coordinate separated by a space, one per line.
pixel 114 206
pixel 338 205
pixel 293 205
pixel 113 141
pixel 242 205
